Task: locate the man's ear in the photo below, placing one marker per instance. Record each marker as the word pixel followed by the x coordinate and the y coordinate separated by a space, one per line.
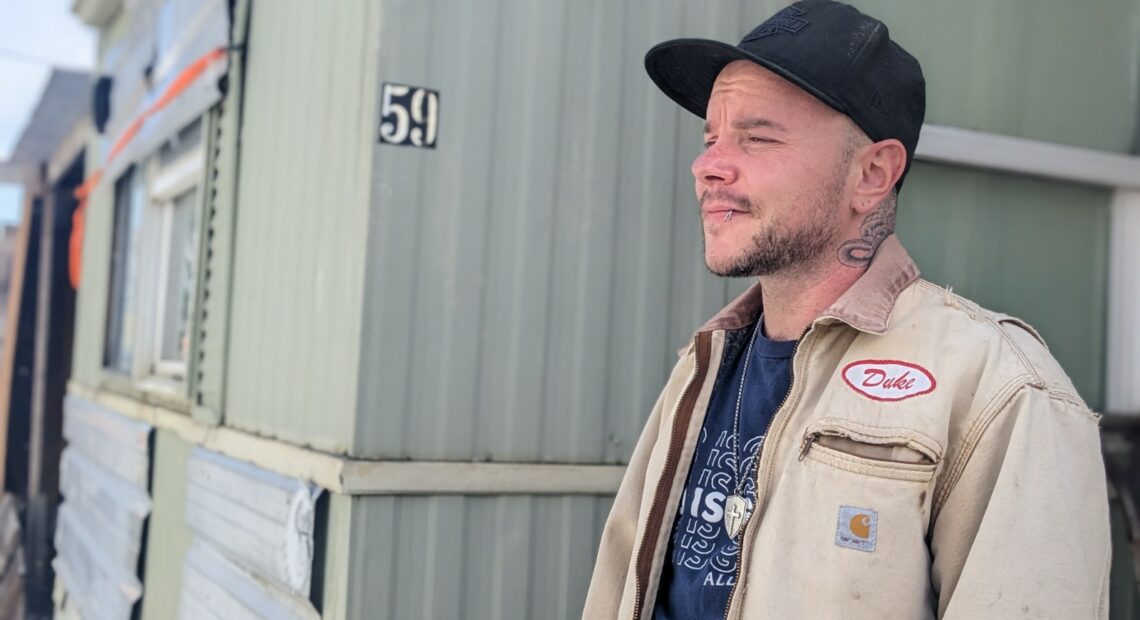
pixel 881 164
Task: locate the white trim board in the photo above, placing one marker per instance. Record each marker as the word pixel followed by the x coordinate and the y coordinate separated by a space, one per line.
pixel 1122 394
pixel 364 477
pixel 988 151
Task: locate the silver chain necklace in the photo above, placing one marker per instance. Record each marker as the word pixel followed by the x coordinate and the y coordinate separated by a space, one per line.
pixel 738 508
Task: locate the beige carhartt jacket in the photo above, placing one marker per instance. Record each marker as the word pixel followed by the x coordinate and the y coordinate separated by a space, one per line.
pixel 931 460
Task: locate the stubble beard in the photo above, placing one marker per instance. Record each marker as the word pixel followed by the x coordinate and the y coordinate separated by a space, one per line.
pixel 778 249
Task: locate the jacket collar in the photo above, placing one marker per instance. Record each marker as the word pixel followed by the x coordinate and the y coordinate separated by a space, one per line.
pixel 866 306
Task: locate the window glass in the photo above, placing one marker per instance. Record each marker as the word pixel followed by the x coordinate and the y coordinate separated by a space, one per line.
pixel 178 295
pixel 121 300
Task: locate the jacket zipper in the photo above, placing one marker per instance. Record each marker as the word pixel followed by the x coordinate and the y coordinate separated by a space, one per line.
pixel 776 430
pixel 684 408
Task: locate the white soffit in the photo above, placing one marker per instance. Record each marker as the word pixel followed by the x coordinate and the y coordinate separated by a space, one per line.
pixel 976 149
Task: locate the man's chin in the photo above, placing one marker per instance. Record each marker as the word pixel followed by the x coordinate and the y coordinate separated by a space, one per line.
pixel 727 268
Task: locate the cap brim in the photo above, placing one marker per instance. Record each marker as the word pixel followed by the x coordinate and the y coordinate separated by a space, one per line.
pixel 686 69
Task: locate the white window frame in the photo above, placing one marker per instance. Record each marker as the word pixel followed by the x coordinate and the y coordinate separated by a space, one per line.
pixel 166 184
pixel 161 183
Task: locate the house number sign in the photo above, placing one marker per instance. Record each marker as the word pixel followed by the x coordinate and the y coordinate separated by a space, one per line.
pixel 409 115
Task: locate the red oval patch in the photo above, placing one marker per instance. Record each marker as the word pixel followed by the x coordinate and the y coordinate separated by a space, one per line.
pixel 888 380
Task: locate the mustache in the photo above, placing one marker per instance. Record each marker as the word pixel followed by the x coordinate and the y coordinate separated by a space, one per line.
pixel 743 202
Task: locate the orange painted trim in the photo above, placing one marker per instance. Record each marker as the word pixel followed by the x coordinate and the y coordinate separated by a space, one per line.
pixel 188 76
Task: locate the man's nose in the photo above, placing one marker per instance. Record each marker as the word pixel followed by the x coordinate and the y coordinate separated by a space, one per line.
pixel 714 166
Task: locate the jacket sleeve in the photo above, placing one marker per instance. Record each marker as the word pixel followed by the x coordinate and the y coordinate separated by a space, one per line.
pixel 1024 530
pixel 614 564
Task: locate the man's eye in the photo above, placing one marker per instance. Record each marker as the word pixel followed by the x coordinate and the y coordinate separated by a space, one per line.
pixel 708 143
pixel 759 140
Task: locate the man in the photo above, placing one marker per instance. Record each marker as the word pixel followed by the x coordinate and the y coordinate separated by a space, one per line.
pixel 845 439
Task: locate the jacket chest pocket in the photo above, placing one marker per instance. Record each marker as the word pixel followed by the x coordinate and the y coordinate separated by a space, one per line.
pixel 846 526
pixel 893 453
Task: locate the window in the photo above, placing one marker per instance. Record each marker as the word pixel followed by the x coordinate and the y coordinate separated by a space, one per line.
pixel 117 352
pixel 178 260
pixel 154 260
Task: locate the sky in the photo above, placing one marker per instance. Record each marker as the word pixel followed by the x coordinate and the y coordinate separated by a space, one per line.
pixel 34 36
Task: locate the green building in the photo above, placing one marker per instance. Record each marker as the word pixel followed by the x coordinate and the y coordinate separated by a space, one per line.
pixel 374 305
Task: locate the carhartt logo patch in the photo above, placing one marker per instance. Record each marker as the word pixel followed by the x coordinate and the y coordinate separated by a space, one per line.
pixel 857 528
pixel 888 380
pixel 788 21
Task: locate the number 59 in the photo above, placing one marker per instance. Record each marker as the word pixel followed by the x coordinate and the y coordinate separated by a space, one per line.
pixel 409 115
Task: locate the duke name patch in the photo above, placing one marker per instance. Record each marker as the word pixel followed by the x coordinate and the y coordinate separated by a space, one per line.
pixel 888 380
pixel 857 528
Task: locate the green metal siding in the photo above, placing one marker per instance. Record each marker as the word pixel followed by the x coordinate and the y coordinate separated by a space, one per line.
pixel 331 574
pixel 168 536
pixel 1053 70
pixel 206 367
pixel 1028 247
pixel 216 258
pixel 91 297
pixel 301 221
pixel 472 557
pixel 529 279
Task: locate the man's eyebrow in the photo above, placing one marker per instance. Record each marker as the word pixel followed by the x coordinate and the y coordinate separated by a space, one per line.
pixel 752 123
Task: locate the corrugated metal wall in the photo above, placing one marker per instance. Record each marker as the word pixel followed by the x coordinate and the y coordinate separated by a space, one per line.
pixel 91 297
pixel 1052 70
pixel 1032 248
pixel 517 293
pixel 301 221
pixel 168 536
pixel 252 553
pixel 104 478
pixel 472 557
pixel 529 278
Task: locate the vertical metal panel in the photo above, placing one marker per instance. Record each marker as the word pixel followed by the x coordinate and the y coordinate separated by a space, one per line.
pixel 103 479
pixel 206 366
pixel 1122 390
pixel 92 294
pixel 529 278
pixel 168 536
pixel 253 540
pixel 1061 72
pixel 1029 247
pixel 217 253
pixel 296 305
pixel 472 557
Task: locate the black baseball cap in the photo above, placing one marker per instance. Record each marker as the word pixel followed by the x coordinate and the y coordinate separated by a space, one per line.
pixel 840 56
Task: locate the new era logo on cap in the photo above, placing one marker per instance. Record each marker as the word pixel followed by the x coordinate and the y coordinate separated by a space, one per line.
pixel 789 21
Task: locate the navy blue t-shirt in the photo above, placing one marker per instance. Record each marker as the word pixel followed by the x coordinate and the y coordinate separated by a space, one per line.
pixel 700 567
